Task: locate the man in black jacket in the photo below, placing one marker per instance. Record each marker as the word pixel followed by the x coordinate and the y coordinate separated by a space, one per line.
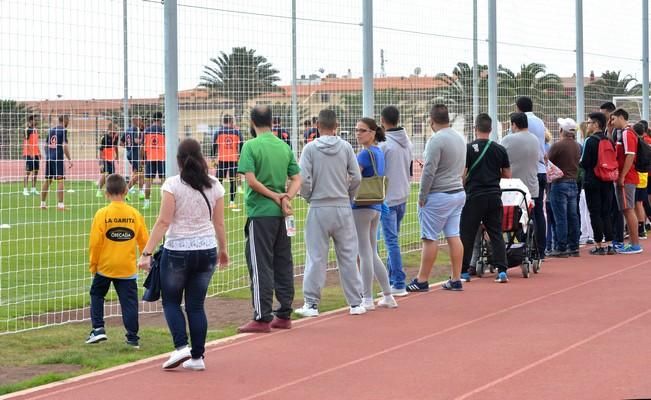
pixel 598 194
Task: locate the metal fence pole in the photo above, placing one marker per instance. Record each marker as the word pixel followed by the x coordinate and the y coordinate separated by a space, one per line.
pixel 171 88
pixel 125 105
pixel 475 53
pixel 367 41
pixel 580 92
pixel 295 132
pixel 492 65
pixel 645 59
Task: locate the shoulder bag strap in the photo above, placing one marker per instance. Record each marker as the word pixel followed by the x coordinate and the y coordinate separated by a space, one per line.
pixel 207 202
pixel 372 157
pixel 474 165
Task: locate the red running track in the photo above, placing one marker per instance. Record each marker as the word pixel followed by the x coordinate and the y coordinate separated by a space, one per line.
pixel 578 330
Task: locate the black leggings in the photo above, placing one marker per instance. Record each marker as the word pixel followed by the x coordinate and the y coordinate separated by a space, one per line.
pixel 599 196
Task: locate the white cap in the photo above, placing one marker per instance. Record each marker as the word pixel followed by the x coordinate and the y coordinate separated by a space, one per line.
pixel 567 124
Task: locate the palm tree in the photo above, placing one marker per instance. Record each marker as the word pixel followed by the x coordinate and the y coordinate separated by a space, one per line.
pixel 609 85
pixel 13 119
pixel 546 90
pixel 458 93
pixel 240 76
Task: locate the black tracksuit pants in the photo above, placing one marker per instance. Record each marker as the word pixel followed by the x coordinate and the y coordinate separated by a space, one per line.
pixel 269 258
pixel 486 209
pixel 599 197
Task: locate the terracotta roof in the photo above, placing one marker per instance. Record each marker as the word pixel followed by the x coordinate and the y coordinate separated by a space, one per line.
pixel 333 85
pixel 82 106
pixel 570 82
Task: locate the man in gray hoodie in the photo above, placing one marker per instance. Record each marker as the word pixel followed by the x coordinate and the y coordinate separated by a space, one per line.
pixel 331 177
pixel 397 157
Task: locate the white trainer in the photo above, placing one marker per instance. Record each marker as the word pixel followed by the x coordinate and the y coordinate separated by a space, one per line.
pixel 357 310
pixel 387 302
pixel 396 292
pixel 194 364
pixel 25 192
pixel 368 304
pixel 308 310
pixel 177 357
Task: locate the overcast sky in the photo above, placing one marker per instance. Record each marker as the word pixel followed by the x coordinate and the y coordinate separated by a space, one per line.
pixel 74 48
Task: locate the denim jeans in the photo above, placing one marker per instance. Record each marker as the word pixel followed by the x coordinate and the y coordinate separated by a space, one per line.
pixel 391 219
pixel 186 275
pixel 551 240
pixel 563 198
pixel 127 290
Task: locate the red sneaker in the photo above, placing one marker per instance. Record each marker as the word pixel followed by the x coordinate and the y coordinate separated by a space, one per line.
pixel 255 327
pixel 279 323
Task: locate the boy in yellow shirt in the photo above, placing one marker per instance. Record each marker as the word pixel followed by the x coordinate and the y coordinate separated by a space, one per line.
pixel 116 231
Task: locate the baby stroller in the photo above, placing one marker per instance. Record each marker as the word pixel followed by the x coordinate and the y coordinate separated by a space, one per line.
pixel 518 229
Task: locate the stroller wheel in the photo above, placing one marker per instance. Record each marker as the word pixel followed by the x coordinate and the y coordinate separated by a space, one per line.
pixel 525 269
pixel 536 266
pixel 479 268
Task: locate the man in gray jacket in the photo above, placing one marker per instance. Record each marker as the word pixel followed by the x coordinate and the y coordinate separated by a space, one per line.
pixel 441 199
pixel 331 177
pixel 397 157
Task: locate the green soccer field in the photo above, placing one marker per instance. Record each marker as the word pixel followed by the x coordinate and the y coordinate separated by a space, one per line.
pixel 44 253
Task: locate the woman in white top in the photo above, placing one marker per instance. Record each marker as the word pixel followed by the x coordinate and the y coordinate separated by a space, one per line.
pixel 192 219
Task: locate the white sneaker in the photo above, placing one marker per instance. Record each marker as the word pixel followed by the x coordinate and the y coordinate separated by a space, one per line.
pixel 194 364
pixel 396 292
pixel 357 310
pixel 177 357
pixel 308 310
pixel 368 304
pixel 35 192
pixel 25 192
pixel 387 302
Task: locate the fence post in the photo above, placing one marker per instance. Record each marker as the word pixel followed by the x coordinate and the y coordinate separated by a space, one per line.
pixel 580 92
pixel 125 105
pixel 295 133
pixel 171 88
pixel 645 59
pixel 475 73
pixel 492 66
pixel 367 41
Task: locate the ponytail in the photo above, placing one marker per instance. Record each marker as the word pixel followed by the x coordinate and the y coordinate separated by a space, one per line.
pixel 194 169
pixel 380 136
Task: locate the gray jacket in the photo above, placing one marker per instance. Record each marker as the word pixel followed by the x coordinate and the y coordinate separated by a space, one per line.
pixel 331 175
pixel 397 157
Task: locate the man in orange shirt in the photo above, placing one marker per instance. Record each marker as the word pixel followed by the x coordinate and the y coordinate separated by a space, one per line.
pixel 226 146
pixel 154 137
pixel 32 155
pixel 108 153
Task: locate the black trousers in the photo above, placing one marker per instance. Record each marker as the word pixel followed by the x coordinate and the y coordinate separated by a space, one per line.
pixel 617 218
pixel 127 290
pixel 269 258
pixel 539 215
pixel 599 196
pixel 487 210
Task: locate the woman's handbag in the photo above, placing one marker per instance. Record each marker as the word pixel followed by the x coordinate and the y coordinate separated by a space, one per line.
pixel 152 282
pixel 372 189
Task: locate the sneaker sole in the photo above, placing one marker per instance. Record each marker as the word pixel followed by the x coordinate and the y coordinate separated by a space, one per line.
pixel 176 363
pixel 97 339
pixel 306 315
pixel 195 368
pixel 453 289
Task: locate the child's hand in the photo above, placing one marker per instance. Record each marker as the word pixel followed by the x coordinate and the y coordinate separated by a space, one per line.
pixel 144 263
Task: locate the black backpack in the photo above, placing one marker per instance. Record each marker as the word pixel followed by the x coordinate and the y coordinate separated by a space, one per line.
pixel 643 156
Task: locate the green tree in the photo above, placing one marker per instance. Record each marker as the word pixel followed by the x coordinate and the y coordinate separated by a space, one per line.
pixel 13 120
pixel 546 90
pixel 609 85
pixel 240 76
pixel 457 93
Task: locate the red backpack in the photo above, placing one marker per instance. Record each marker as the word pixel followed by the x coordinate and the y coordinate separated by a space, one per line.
pixel 606 169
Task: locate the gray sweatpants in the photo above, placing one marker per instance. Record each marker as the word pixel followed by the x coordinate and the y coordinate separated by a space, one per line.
pixel 366 223
pixel 322 224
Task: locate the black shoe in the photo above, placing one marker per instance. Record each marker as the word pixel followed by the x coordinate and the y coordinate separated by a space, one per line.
pixel 598 251
pixel 415 286
pixel 96 336
pixel 611 251
pixel 558 254
pixel 133 344
pixel 574 253
pixel 642 234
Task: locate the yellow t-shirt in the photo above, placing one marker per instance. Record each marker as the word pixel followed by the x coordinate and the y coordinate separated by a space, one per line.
pixel 116 231
pixel 643 178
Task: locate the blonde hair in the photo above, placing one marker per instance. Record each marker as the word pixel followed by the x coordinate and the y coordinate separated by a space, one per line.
pixel 548 136
pixel 583 128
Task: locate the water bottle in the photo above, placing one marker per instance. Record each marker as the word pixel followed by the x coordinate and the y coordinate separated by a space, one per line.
pixel 290 225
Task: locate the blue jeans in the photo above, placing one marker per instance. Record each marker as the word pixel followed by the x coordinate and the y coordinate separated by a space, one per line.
pixel 127 290
pixel 539 216
pixel 551 240
pixel 563 198
pixel 187 274
pixel 391 219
